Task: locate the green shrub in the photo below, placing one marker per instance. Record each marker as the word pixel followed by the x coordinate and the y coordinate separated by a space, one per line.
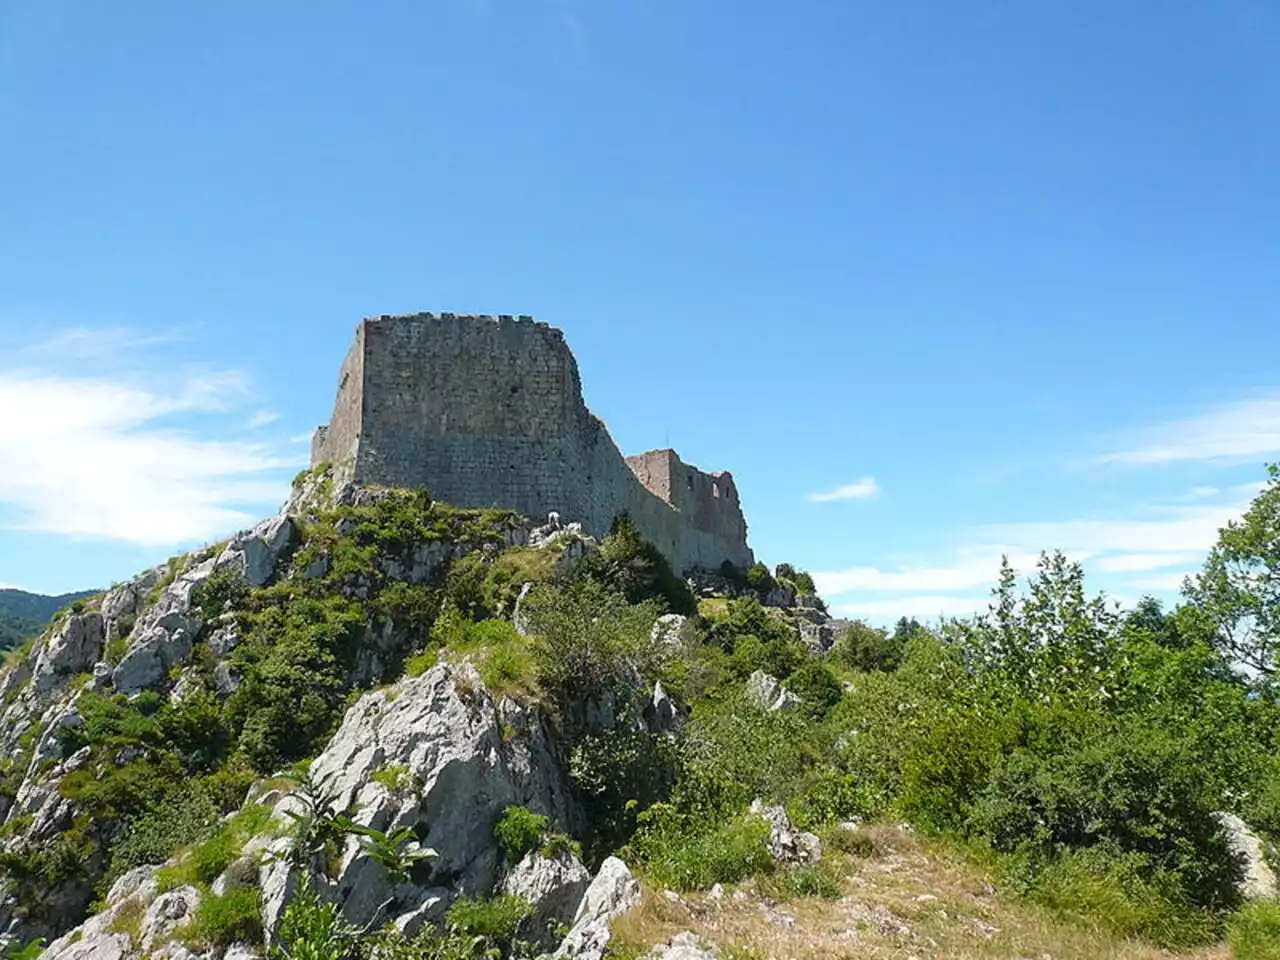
pixel 726 854
pixel 1130 794
pixel 420 663
pixel 759 579
pixel 865 648
pixel 314 930
pixel 825 795
pixel 617 774
pixel 518 830
pixel 1254 932
pixel 161 830
pixel 1092 887
pixel 497 920
pixel 589 640
pixel 817 687
pixel 235 916
pixel 630 565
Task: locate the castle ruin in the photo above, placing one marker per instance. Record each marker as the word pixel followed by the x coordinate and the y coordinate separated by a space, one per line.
pixel 488 412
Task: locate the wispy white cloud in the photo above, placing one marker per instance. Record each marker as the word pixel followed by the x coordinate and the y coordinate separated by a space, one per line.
pixel 864 489
pixel 925 608
pixel 1240 431
pixel 1138 562
pixel 135 457
pixel 261 418
pixel 970 570
pixel 1152 537
pixel 1164 582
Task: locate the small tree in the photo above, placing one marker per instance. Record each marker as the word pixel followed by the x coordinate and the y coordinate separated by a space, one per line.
pixel 1240 585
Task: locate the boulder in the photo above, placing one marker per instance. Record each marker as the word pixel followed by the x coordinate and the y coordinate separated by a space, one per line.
pixel 612 893
pixel 786 843
pixel 103 946
pixel 241 872
pixel 669 629
pixel 769 694
pixel 254 554
pixel 1260 881
pixel 519 618
pixel 167 913
pixel 163 636
pixel 279 878
pixel 73 647
pixel 661 714
pixel 685 946
pixel 554 885
pixel 446 730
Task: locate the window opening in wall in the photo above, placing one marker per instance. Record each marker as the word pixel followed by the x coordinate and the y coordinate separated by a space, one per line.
pixel 715 490
pixel 690 479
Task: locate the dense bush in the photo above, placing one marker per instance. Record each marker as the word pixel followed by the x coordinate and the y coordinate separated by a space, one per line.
pixel 519 830
pixel 636 568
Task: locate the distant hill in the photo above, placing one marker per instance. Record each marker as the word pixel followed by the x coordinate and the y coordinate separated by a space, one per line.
pixel 23 614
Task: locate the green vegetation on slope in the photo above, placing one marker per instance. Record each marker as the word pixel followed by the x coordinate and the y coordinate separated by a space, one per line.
pixel 1074 754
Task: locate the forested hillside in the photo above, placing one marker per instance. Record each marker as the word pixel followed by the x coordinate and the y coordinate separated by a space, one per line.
pixel 23 615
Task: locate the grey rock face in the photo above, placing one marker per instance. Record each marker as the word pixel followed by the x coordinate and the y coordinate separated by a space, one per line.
pixel 107 946
pixel 166 913
pixel 279 879
pixel 662 715
pixel 612 893
pixel 554 885
pixel 163 636
pixel 447 731
pixel 669 628
pixel 1260 881
pixel 254 554
pixel 786 843
pixel 72 648
pixel 769 694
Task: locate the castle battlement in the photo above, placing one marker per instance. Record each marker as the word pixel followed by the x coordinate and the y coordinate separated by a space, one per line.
pixel 487 411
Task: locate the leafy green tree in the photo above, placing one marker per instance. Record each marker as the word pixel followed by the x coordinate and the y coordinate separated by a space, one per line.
pixel 1239 587
pixel 866 648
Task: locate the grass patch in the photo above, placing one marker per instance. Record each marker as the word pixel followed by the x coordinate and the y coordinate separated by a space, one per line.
pixel 236 916
pixel 127 919
pixel 1254 932
pixel 206 860
pixel 726 854
pixel 420 663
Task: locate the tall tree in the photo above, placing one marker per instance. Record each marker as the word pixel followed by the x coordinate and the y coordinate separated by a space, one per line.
pixel 1239 587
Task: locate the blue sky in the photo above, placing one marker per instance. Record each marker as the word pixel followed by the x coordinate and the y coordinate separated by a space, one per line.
pixel 990 277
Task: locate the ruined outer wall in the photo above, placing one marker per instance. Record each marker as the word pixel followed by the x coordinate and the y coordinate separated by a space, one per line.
pixel 337 442
pixel 486 412
pixel 709 501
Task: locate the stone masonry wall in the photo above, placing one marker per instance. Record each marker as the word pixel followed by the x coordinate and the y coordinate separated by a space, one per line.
pixel 708 500
pixel 337 442
pixel 489 412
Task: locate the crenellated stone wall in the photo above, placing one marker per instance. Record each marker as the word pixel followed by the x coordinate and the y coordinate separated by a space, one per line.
pixel 487 411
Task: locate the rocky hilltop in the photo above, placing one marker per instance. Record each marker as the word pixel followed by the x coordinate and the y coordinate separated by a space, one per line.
pixel 341 703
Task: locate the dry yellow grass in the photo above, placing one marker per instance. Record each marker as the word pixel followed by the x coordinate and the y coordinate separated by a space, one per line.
pixel 906 901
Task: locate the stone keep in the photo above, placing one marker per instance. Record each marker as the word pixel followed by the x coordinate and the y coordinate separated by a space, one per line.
pixel 488 412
